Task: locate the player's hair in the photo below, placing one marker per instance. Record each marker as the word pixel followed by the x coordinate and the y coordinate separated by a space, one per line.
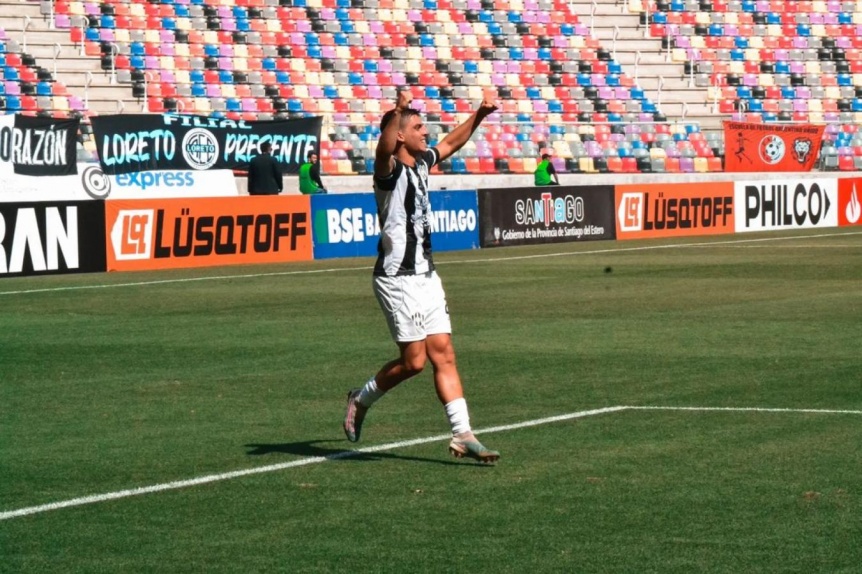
pixel 311 153
pixel 265 147
pixel 387 117
pixel 546 156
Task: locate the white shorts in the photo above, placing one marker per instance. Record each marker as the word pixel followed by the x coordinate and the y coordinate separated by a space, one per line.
pixel 414 306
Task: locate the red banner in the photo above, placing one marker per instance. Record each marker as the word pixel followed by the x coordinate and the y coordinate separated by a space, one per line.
pixel 771 147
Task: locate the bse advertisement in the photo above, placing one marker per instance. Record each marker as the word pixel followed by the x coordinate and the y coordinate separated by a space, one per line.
pixel 346 225
pixel 50 237
pixel 674 210
pixel 176 233
pixel 786 204
pixel 527 216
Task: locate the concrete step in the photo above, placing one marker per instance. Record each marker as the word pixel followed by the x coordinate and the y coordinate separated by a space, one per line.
pixel 46 52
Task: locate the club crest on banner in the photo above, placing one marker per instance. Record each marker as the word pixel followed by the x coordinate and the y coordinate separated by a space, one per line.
pixel 200 148
pixel 802 149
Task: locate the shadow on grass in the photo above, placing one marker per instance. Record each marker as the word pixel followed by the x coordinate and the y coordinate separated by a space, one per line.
pixel 311 449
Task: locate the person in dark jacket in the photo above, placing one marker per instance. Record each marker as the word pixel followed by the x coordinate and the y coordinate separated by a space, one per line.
pixel 264 176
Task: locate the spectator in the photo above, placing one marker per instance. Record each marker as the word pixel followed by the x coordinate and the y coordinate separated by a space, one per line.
pixel 264 176
pixel 309 176
pixel 545 173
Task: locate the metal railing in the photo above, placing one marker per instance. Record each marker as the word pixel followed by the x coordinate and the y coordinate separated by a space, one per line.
pixel 115 50
pixel 88 79
pixel 57 49
pixel 25 25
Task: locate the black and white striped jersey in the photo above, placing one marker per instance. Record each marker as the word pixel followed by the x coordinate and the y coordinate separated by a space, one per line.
pixel 404 211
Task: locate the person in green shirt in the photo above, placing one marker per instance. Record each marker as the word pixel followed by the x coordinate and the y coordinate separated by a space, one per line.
pixel 309 176
pixel 545 173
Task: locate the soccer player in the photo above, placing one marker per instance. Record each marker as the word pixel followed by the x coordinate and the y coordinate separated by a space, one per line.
pixel 405 283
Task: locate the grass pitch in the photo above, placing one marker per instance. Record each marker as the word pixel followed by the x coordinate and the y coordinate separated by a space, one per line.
pixel 111 382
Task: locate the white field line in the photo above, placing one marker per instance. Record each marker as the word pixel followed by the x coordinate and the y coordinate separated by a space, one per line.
pixel 747 409
pixel 793 246
pixel 95 498
pixel 92 499
pixel 454 262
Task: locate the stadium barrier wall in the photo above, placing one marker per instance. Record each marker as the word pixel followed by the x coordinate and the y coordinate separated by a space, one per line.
pixel 62 232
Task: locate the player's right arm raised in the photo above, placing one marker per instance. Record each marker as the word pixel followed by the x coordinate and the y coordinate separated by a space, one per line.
pixel 383 163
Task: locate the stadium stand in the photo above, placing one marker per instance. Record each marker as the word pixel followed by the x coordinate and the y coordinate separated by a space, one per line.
pixel 772 61
pixel 560 88
pixel 30 89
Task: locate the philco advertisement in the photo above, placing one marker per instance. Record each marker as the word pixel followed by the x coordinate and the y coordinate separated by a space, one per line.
pixel 346 225
pixel 528 216
pixel 176 233
pixel 849 202
pixel 674 210
pixel 786 204
pixel 48 238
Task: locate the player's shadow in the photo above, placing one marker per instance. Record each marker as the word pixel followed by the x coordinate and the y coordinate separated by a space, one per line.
pixel 312 449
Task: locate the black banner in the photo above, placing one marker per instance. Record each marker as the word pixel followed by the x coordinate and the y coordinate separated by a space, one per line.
pixel 39 146
pixel 551 214
pixel 48 238
pixel 144 142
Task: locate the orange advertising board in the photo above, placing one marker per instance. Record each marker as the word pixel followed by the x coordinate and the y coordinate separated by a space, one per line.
pixel 674 210
pixel 849 202
pixel 176 233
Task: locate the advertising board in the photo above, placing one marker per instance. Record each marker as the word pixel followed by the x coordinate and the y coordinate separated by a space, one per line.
pixel 674 210
pixel 51 237
pixel 533 215
pixel 346 225
pixel 786 204
pixel 177 233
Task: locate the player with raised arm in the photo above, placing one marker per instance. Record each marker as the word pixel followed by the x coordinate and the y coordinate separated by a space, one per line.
pixel 405 283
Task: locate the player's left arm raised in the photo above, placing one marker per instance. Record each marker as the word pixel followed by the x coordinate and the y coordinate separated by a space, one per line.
pixel 456 139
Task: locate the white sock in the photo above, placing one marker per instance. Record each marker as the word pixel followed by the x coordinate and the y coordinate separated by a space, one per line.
pixel 458 417
pixel 369 393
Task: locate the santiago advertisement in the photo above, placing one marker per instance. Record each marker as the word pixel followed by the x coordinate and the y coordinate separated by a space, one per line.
pixel 346 225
